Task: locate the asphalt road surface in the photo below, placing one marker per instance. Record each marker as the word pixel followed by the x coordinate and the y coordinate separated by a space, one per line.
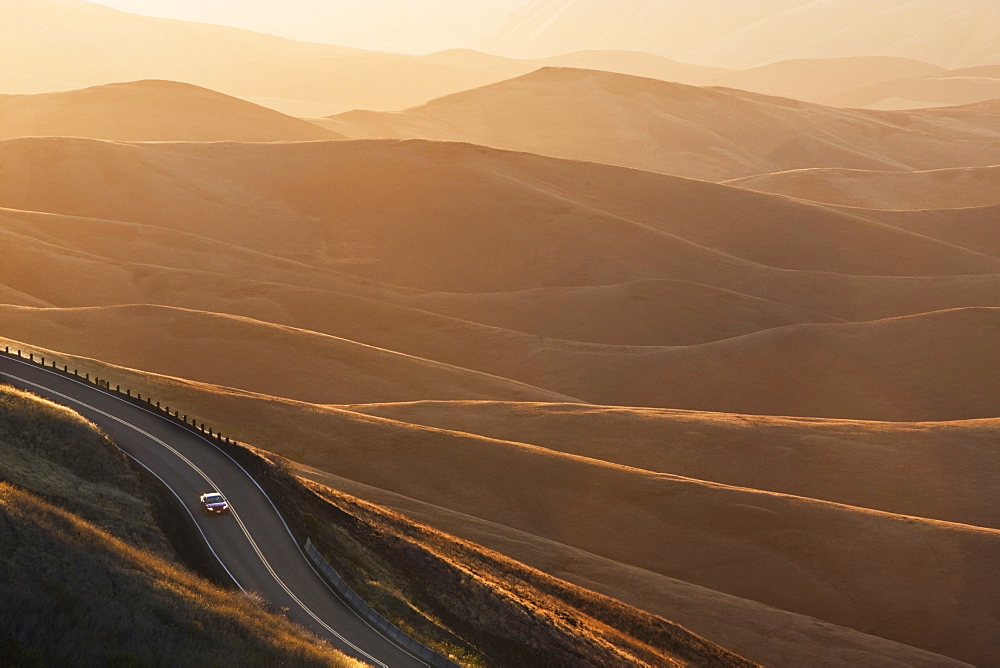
pixel 252 542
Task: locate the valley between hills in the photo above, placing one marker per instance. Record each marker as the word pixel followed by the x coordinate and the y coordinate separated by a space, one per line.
pixel 728 357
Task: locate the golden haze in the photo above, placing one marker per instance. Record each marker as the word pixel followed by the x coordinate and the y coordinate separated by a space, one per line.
pixel 710 328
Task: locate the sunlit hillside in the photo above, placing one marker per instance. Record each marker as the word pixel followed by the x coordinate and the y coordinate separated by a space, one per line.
pixel 682 317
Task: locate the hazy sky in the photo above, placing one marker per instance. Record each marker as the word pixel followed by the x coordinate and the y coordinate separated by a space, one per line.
pixel 413 26
pixel 723 33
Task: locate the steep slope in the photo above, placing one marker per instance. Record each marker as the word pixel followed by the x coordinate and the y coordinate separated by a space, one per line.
pixel 710 134
pixel 149 111
pixel 137 607
pixel 93 580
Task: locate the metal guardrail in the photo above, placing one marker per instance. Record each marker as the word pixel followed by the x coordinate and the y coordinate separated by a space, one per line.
pixel 123 393
pixel 327 571
pixel 369 614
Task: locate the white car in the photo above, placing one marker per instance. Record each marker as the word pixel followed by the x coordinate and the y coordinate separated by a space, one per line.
pixel 214 503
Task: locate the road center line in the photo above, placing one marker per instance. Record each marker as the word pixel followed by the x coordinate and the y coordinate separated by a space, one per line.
pixel 208 480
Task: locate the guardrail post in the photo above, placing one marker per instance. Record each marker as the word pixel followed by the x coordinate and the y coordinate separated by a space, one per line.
pixel 31 357
pixel 366 611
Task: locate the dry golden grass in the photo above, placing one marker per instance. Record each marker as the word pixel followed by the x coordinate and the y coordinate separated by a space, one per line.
pixel 57 455
pixel 759 632
pixel 313 295
pixel 935 366
pixel 497 607
pixel 337 216
pixel 440 589
pixel 783 550
pixel 81 596
pixel 86 577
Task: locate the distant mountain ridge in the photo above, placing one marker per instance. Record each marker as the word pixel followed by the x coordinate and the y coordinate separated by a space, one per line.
pixel 748 33
pixel 704 133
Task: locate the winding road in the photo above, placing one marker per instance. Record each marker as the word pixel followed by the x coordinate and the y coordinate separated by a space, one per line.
pixel 252 543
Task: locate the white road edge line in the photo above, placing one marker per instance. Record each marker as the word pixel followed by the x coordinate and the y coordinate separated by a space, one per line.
pixel 188 510
pixel 246 531
pixel 254 481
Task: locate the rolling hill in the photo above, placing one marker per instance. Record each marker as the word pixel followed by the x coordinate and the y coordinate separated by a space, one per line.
pixel 935 189
pixel 720 533
pixel 705 133
pixel 476 335
pixel 294 77
pixel 387 211
pixel 299 364
pixel 707 339
pixel 937 366
pixel 149 111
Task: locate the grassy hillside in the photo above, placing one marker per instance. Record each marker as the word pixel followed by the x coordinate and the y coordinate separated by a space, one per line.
pixel 426 581
pixel 520 489
pixel 59 456
pixel 453 595
pixel 88 583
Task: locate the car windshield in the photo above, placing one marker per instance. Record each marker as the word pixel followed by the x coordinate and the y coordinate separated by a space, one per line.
pixel 214 498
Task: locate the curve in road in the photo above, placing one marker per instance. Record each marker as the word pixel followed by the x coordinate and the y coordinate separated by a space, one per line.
pixel 253 543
